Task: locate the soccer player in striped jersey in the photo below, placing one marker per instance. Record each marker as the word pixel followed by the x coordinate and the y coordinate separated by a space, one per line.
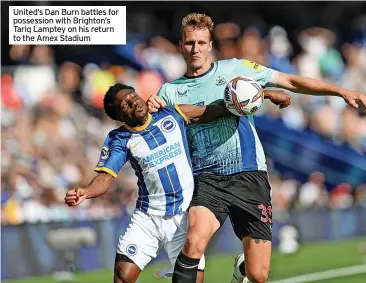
pixel 227 156
pixel 156 146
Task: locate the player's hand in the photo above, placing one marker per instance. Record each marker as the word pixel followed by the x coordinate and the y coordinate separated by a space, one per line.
pixel 278 97
pixel 355 99
pixel 154 103
pixel 75 196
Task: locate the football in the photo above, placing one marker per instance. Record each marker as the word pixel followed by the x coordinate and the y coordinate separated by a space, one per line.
pixel 243 96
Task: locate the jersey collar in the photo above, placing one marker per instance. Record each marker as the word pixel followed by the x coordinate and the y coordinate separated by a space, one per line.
pixel 140 128
pixel 201 75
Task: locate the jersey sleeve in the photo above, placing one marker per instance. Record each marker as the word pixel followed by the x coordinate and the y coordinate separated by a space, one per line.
pixel 164 95
pixel 264 75
pixel 113 155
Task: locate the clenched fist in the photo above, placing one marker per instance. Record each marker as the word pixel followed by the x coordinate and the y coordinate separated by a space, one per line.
pixel 278 97
pixel 75 196
pixel 154 103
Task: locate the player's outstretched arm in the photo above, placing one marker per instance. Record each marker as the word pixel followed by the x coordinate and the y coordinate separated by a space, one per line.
pixel 315 87
pixel 97 187
pixel 204 114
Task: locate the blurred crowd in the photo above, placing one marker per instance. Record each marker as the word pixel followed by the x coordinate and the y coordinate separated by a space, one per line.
pixel 288 193
pixel 53 122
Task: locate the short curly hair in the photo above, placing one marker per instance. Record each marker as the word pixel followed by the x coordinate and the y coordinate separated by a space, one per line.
pixel 197 21
pixel 110 99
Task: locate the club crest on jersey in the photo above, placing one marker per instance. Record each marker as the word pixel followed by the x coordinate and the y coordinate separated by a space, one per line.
pixel 131 249
pixel 105 153
pixel 168 125
pixel 220 80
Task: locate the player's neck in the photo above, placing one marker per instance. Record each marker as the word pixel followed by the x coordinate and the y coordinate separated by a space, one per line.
pixel 138 122
pixel 196 72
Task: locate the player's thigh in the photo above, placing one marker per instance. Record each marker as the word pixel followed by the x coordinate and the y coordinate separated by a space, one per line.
pixel 141 240
pixel 207 211
pixel 250 205
pixel 125 270
pixel 175 230
pixel 202 222
pixel 251 217
pixel 257 258
pixel 206 214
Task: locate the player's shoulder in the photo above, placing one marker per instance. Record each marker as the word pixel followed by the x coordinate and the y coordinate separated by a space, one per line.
pixel 119 134
pixel 164 111
pixel 238 61
pixel 170 112
pixel 245 65
pixel 170 88
pixel 113 134
pixel 175 83
pixel 228 65
pixel 166 88
pixel 228 62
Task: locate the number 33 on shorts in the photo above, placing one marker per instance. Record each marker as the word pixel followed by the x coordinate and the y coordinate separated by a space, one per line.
pixel 266 212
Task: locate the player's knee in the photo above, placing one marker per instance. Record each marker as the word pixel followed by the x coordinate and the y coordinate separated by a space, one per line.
pixel 194 246
pixel 257 275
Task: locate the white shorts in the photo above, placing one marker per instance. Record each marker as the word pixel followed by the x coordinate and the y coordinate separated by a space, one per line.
pixel 147 234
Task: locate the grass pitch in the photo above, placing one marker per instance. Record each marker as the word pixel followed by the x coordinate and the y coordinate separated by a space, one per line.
pixel 309 259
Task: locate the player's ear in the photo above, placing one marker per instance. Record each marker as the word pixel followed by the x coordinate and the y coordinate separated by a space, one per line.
pixel 210 48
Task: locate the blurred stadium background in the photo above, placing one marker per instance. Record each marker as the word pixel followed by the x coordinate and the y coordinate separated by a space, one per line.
pixel 53 126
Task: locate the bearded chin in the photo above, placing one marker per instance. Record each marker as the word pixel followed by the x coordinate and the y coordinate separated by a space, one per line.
pixel 196 67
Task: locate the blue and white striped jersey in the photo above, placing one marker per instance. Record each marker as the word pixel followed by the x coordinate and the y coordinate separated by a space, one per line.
pixel 158 152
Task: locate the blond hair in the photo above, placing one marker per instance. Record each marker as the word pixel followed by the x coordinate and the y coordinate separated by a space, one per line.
pixel 197 21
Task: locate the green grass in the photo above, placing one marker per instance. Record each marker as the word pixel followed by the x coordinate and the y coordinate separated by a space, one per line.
pixel 360 278
pixel 311 258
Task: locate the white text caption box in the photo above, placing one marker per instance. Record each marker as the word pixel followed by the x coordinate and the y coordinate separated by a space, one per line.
pixel 67 25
